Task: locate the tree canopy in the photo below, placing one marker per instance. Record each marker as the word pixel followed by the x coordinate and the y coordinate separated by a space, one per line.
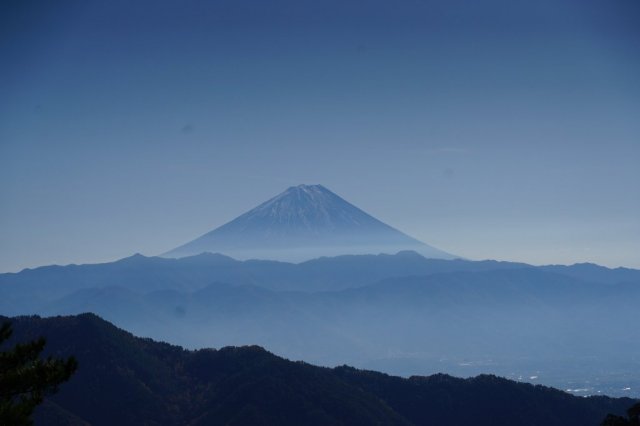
pixel 633 419
pixel 26 378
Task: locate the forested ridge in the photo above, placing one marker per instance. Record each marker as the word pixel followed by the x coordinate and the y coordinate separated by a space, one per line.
pixel 126 380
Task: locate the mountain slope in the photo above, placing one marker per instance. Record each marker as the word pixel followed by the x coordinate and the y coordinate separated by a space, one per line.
pixel 304 222
pixel 126 380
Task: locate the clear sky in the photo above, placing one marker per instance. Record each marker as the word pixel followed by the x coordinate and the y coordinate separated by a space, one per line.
pixel 490 129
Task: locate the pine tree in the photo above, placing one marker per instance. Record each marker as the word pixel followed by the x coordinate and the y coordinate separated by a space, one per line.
pixel 25 378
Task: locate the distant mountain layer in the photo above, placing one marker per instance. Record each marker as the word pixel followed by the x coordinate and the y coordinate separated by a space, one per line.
pixel 302 223
pixel 126 380
pixel 30 290
pixel 566 326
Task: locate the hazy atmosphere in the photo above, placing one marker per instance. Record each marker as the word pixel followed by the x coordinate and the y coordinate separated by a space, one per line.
pixel 320 212
pixel 501 129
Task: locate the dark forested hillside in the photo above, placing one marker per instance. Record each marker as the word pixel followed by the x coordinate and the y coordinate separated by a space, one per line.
pixel 127 380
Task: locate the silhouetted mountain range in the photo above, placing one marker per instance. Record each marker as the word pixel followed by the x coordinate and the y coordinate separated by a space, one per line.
pixel 126 380
pixel 304 222
pixel 31 290
pixel 402 314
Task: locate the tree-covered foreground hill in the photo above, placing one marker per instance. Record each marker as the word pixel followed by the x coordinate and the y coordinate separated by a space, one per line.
pixel 125 380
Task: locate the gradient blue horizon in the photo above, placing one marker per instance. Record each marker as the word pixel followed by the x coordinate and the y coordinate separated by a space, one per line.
pixel 506 130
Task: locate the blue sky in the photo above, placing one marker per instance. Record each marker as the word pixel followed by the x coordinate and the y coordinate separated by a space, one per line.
pixel 498 129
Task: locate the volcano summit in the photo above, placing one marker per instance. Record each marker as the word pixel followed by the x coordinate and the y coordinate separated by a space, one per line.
pixel 304 222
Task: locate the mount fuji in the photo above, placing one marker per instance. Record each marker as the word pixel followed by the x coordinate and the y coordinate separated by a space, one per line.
pixel 304 222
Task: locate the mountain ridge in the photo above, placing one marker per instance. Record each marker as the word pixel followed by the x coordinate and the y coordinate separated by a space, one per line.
pixel 126 380
pixel 402 313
